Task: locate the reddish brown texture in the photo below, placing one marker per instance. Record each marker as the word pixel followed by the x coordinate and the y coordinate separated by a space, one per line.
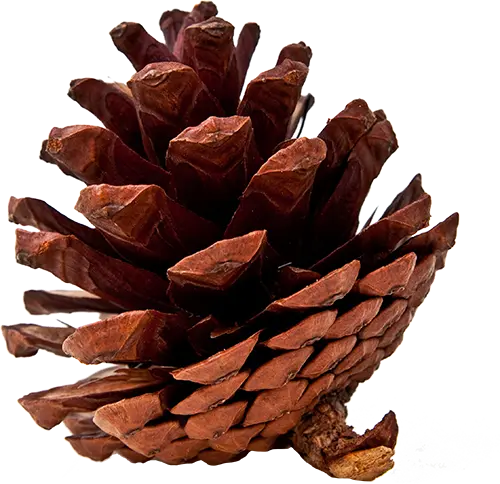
pixel 51 407
pixel 297 52
pixel 316 388
pixel 170 24
pixel 76 263
pixel 152 439
pixel 438 241
pixel 304 104
pixel 235 440
pixel 138 46
pixel 265 205
pixel 36 213
pixel 409 195
pixel 131 337
pixel 180 451
pixel 290 279
pixel 208 397
pixel 170 97
pixel 389 279
pixel 270 100
pixel 202 11
pixel 81 423
pixel 306 332
pixel 356 318
pixel 282 424
pixel 26 339
pixel 218 279
pixel 424 270
pixel 270 404
pixel 215 457
pixel 328 357
pixel 212 163
pixel 220 366
pixel 48 302
pixel 321 294
pixel 387 316
pixel 97 447
pixel 261 444
pixel 113 105
pixel 144 224
pixel 278 371
pixel 340 135
pixel 361 350
pixel 209 50
pixel 95 155
pixel 126 417
pixel 247 43
pixel 397 329
pixel 216 422
pixel 337 220
pixel 378 240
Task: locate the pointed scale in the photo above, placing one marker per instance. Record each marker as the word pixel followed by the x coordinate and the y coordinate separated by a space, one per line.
pixel 201 12
pixel 316 388
pixel 220 366
pixel 208 397
pixel 211 165
pixel 76 263
pixel 152 439
pixel 306 332
pixel 169 97
pixel 113 105
pixel 138 46
pixel 361 351
pixel 328 357
pixel 290 279
pixel 216 457
pixel 386 318
pixel 340 135
pixel 51 407
pixel 217 280
pixel 438 241
pixel 271 404
pixel 132 456
pixel 36 213
pixel 282 424
pixel 337 220
pixel 389 279
pixel 97 447
pixel 278 371
pixel 145 224
pixel 181 451
pixel 409 195
pixel 424 270
pixel 170 24
pixel 321 294
pixel 247 43
pixel 236 440
pixel 209 50
pixel 126 417
pixel 216 422
pixel 380 239
pixel 270 100
pixel 26 339
pixel 95 155
pixel 352 321
pixel 277 197
pixel 296 52
pixel 131 337
pixel 48 302
pixel 397 329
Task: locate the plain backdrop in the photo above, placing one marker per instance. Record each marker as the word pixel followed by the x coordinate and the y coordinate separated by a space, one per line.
pixel 433 67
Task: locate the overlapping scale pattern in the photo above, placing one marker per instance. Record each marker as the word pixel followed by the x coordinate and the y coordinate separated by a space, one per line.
pixel 237 288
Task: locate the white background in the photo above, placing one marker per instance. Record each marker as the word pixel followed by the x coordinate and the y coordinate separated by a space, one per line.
pixel 432 64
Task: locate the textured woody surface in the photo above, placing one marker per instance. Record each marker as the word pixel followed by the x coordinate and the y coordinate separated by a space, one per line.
pixel 242 309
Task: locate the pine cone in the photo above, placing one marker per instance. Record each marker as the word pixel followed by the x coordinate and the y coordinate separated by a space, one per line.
pixel 240 303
